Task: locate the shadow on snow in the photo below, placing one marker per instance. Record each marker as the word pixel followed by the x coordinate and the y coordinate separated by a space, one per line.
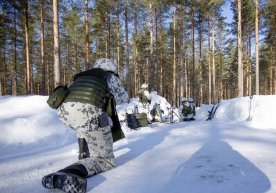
pixel 217 168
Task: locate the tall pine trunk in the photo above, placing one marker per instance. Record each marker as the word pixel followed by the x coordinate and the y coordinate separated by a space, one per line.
pixel 42 65
pixel 136 66
pixel 209 66
pixel 214 97
pixel 257 47
pixel 13 67
pixel 240 64
pixel 4 72
pixel 174 58
pixel 107 38
pixel 27 48
pixel 200 62
pixel 193 57
pixel 126 44
pixel 182 54
pixel 118 41
pixel 56 45
pixel 156 72
pixel 87 50
pixel 151 65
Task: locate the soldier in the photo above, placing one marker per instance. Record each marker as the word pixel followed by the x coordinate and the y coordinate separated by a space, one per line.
pixel 187 109
pixel 156 111
pixel 90 109
pixel 144 96
pixel 193 111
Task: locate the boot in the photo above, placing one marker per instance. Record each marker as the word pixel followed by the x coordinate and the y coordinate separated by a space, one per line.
pixel 69 183
pixel 70 179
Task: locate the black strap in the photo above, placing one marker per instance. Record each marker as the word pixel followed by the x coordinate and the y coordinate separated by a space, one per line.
pixel 77 169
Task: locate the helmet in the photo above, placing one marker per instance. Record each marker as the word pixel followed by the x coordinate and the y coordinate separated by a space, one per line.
pixel 106 64
pixel 190 100
pixel 183 99
pixel 145 85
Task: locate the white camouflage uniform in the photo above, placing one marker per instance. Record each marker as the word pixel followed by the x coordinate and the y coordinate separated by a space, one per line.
pixel 83 118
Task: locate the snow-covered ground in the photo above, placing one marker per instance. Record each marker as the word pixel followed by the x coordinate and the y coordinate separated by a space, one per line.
pixel 233 153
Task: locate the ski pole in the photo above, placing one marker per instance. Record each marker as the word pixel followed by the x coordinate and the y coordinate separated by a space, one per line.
pixel 250 118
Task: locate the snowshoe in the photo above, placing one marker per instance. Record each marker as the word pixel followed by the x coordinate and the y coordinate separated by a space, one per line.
pixel 192 119
pixel 185 119
pixel 69 183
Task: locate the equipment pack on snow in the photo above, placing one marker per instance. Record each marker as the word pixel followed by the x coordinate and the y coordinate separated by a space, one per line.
pixel 57 96
pixel 135 121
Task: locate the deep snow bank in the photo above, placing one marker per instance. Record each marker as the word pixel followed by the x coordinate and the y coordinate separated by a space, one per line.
pixel 260 109
pixel 28 120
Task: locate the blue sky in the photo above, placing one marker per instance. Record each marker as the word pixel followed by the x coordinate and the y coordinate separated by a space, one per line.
pixel 227 12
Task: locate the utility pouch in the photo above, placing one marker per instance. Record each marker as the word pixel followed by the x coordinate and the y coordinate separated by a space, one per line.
pixel 103 120
pixel 57 96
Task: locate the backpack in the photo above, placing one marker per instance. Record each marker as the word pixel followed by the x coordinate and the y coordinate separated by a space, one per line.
pixel 186 110
pixel 57 96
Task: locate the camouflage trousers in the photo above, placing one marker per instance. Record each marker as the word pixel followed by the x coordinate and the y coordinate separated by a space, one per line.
pixel 84 118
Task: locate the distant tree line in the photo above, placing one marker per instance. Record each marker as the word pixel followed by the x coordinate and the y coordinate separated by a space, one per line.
pixel 180 48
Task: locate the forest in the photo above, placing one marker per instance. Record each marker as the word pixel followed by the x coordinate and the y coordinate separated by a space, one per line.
pixel 181 48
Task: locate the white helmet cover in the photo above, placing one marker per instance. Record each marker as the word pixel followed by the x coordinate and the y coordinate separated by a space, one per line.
pixel 106 64
pixel 191 100
pixel 144 85
pixel 183 99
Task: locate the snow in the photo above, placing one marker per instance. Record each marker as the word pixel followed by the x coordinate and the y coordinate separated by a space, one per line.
pixel 232 153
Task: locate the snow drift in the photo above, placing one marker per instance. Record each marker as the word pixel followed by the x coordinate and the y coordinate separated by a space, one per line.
pixel 229 154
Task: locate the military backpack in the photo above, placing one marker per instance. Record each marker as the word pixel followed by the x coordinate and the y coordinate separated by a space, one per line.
pixel 57 96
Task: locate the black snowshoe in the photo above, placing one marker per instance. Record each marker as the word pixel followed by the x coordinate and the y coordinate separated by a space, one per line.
pixel 69 183
pixel 189 119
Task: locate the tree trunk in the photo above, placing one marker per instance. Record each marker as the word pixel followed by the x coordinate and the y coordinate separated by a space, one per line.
pixel 186 77
pixel 42 65
pixel 66 74
pixel 147 70
pixel 221 78
pixel 200 61
pixel 249 67
pixel 193 58
pixel 240 64
pixel 118 42
pixel 56 45
pixel 274 64
pixel 4 72
pixel 257 47
pixel 13 66
pixel 271 79
pixel 156 74
pixel 161 79
pixel 182 55
pixel 209 66
pixel 213 60
pixel 87 65
pixel 47 78
pixel 77 65
pixel 174 58
pixel 127 49
pixel 136 71
pixel 151 66
pixel 107 40
pixel 27 46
